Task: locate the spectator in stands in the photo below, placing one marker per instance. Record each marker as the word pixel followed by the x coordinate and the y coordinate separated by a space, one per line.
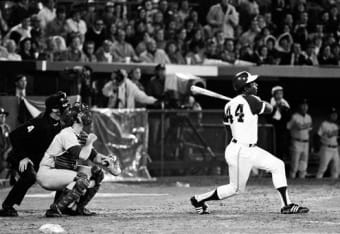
pixel 287 21
pixel 160 40
pixel 279 118
pixel 248 37
pixel 328 133
pixel 170 31
pixel 301 36
pixel 211 51
pixel 37 33
pixel 283 46
pixel 298 57
pixel 27 51
pixel 130 35
pixel 279 7
pixel 333 18
pixel 123 49
pixel 58 25
pixel 229 54
pixel 325 21
pixel 75 24
pixel 49 51
pixel 311 58
pixel 96 33
pixel 184 10
pixel 196 48
pixel 135 75
pixel 326 57
pixel 60 51
pixel 47 14
pixel 90 14
pixel 120 13
pixel 149 11
pixel 248 10
pixel 89 49
pixel 224 17
pixel 154 55
pixel 300 126
pixel 262 56
pixel 269 22
pixel 247 54
pixel 20 31
pixel 123 93
pixel 112 32
pixel 181 41
pixel 105 53
pixel 141 46
pixel 11 47
pixel 108 15
pixel 174 54
pixel 74 52
pixel 5 144
pixel 20 12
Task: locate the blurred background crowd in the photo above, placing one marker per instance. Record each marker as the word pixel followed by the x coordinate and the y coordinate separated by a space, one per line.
pixel 281 32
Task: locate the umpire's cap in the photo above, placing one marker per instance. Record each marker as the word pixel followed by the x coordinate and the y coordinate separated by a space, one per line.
pixel 3 111
pixel 241 79
pixel 56 102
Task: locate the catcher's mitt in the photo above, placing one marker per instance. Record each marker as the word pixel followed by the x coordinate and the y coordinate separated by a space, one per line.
pixel 111 165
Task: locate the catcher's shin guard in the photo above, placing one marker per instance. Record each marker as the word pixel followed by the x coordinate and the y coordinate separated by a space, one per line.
pixel 73 195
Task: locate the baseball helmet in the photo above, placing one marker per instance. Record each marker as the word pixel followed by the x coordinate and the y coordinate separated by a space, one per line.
pixel 241 79
pixel 56 102
pixel 78 113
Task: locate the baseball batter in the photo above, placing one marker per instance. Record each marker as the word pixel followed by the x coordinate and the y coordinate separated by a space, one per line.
pixel 58 168
pixel 329 153
pixel 241 115
pixel 300 126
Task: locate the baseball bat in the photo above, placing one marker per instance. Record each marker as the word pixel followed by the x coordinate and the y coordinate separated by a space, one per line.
pixel 202 91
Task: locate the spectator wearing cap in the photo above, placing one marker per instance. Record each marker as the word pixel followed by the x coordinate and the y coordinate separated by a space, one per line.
pixel 58 25
pixel 5 144
pixel 223 16
pixel 75 24
pixel 123 93
pixel 328 133
pixel 96 33
pixel 279 118
pixel 154 55
pixel 47 13
pixel 123 49
pixel 299 126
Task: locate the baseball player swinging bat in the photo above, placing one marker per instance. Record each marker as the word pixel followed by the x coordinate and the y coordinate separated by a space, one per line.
pixel 202 91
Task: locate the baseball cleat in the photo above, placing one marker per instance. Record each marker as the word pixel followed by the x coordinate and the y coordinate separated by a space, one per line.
pixel 53 212
pixel 8 212
pixel 294 209
pixel 200 207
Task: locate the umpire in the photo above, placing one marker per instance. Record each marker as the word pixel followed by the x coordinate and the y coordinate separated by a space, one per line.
pixel 30 142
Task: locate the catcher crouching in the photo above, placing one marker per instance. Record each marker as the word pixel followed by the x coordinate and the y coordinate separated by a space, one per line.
pixel 59 170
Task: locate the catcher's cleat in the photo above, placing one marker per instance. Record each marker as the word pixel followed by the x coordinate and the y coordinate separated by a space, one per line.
pixel 85 212
pixel 200 207
pixel 53 212
pixel 8 212
pixel 294 209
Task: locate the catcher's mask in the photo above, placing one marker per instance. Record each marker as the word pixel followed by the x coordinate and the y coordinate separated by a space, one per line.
pixel 78 113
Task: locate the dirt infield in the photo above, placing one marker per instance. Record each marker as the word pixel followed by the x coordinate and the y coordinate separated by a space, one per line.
pixel 124 208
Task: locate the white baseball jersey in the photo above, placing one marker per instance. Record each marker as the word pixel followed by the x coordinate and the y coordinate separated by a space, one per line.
pixel 63 141
pixel 328 132
pixel 241 114
pixel 297 121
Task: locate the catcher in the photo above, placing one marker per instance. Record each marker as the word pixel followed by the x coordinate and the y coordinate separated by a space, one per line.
pixel 60 170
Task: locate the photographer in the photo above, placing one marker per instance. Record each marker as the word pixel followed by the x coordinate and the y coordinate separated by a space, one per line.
pixel 123 93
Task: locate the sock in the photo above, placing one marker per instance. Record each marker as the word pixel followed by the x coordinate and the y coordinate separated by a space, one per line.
pixel 284 196
pixel 209 196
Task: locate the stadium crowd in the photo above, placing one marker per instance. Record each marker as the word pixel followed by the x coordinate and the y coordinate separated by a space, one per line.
pixel 230 32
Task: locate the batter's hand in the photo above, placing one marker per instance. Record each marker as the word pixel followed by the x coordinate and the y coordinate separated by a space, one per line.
pixel 23 164
pixel 91 139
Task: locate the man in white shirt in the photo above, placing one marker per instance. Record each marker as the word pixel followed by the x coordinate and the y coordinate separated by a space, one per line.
pixel 47 14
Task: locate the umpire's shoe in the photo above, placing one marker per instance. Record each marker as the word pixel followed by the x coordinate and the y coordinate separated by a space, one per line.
pixel 53 212
pixel 294 209
pixel 200 207
pixel 8 211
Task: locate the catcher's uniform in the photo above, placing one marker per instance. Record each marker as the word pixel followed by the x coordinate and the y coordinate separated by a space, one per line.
pixel 241 114
pixel 329 153
pixel 299 126
pixel 49 176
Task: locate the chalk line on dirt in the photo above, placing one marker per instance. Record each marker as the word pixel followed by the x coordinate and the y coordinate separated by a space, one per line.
pixel 46 195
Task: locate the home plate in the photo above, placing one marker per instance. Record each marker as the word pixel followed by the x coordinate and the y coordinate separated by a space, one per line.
pixel 46 195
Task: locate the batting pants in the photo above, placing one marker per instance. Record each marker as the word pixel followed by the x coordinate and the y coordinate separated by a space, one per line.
pixel 299 159
pixel 328 155
pixel 241 159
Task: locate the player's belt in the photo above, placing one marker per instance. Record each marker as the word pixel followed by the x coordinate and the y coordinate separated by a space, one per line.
pixel 300 140
pixel 330 146
pixel 248 145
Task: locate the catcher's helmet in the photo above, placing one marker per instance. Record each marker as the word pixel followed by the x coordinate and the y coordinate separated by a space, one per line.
pixel 78 113
pixel 56 102
pixel 241 79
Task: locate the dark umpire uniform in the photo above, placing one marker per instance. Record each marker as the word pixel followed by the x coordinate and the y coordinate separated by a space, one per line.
pixel 30 141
